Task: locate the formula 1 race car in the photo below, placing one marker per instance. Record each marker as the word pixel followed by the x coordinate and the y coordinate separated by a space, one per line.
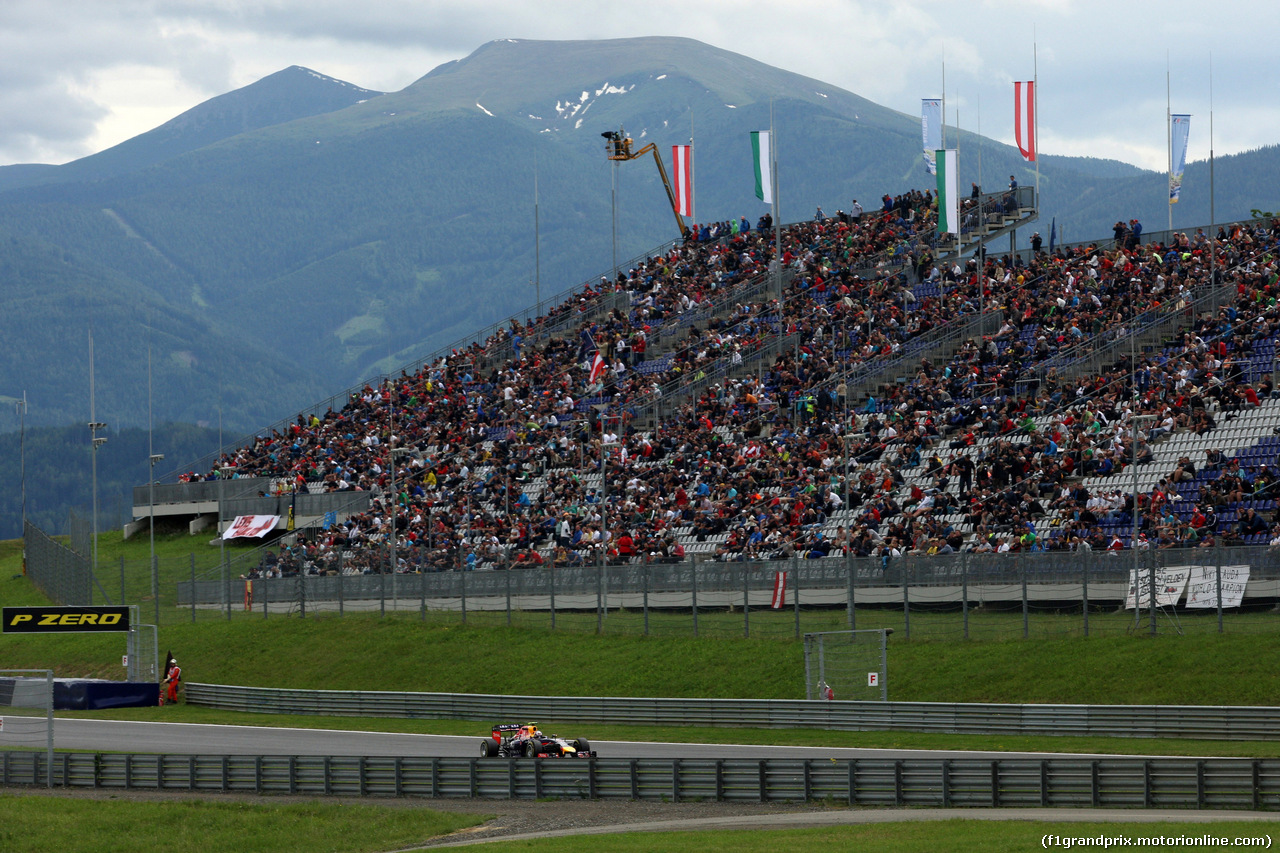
pixel 511 740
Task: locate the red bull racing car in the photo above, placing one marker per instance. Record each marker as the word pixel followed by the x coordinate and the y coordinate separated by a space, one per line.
pixel 511 740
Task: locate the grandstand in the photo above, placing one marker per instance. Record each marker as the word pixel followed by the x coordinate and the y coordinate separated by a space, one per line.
pixel 864 394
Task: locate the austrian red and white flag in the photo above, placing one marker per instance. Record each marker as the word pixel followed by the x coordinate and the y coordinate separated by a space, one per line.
pixel 779 591
pixel 597 368
pixel 1024 118
pixel 682 178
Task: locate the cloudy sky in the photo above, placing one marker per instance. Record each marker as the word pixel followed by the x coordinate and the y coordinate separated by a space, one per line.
pixel 77 76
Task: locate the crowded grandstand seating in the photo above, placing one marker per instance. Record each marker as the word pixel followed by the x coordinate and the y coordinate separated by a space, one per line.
pixel 860 395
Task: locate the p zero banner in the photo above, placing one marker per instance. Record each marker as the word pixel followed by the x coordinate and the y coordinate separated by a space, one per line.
pixel 251 526
pixel 931 131
pixel 1178 131
pixel 63 620
pixel 1170 582
pixel 682 178
pixel 1202 587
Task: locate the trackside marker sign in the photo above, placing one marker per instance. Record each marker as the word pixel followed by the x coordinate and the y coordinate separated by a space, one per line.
pixel 63 620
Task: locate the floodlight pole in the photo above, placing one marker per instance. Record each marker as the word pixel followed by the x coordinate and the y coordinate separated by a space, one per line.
pixel 22 456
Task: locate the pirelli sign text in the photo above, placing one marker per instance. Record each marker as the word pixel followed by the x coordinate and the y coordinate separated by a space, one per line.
pixel 63 620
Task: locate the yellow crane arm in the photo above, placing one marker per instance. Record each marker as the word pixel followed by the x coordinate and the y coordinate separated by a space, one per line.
pixel 618 146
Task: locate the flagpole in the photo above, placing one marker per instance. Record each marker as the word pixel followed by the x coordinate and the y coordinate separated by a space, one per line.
pixel 777 222
pixel 979 105
pixel 537 239
pixel 1168 130
pixel 944 98
pixel 692 183
pixel 960 221
pixel 1213 278
pixel 1035 119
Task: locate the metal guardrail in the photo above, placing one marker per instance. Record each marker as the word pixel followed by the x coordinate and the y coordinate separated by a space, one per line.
pixel 1224 783
pixel 1136 721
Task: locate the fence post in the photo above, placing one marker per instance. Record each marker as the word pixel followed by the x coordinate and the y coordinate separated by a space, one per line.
pixel 551 578
pixel 1217 552
pixel 906 602
pixel 694 586
pixel 508 597
pixel 964 592
pixel 193 588
pixel 226 584
pixel 264 598
pixel 122 601
pixel 464 596
pixel 795 589
pixel 422 590
pixel 646 600
pixel 600 594
pixel 746 606
pixel 342 583
pixel 1088 559
pixel 1022 561
pixel 848 567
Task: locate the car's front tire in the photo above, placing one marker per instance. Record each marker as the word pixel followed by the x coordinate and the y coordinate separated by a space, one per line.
pixel 582 745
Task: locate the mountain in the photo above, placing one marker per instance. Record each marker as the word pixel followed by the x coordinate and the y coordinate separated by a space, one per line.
pixel 293 93
pixel 292 238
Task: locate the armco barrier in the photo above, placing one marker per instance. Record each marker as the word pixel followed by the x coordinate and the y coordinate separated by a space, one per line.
pixel 1224 783
pixel 1174 721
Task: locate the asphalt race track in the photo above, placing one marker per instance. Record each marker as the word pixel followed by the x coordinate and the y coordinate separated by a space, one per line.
pixel 192 739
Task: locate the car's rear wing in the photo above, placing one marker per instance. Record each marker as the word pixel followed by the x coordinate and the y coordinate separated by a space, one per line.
pixel 500 728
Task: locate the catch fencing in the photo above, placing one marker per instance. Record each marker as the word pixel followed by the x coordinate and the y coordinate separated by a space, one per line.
pixel 1065 783
pixel 1136 721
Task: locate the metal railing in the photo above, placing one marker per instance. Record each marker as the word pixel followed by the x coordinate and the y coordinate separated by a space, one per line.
pixel 1222 783
pixel 1129 721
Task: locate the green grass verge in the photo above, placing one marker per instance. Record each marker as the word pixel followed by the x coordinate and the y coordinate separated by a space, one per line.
pixel 35 824
pixel 960 836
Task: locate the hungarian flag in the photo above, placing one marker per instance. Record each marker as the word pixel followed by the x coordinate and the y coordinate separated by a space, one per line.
pixel 597 368
pixel 948 191
pixel 682 178
pixel 761 159
pixel 1024 118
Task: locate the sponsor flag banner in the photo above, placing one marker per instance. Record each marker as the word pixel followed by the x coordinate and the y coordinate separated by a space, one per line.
pixel 1053 233
pixel 1170 582
pixel 44 620
pixel 1024 119
pixel 931 131
pixel 779 591
pixel 682 178
pixel 760 156
pixel 1202 587
pixel 948 191
pixel 251 526
pixel 1178 162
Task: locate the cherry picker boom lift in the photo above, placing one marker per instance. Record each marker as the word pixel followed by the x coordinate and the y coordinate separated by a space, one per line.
pixel 618 146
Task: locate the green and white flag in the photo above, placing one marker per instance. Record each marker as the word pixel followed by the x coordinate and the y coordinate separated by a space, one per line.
pixel 948 191
pixel 760 156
